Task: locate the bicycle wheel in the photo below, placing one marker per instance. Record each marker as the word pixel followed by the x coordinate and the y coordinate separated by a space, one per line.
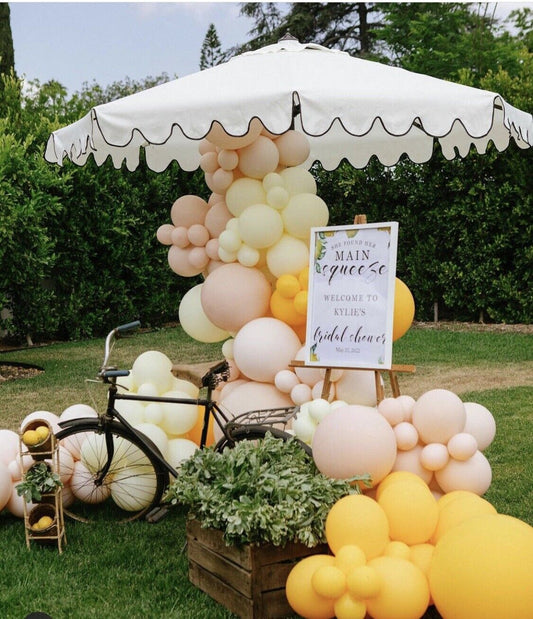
pixel 253 432
pixel 133 485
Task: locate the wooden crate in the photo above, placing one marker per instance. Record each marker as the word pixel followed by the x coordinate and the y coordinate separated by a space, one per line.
pixel 248 580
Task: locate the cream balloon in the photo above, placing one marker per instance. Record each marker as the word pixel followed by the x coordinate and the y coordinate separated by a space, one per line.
pixel 303 212
pixel 178 418
pixel 83 486
pixel 133 488
pixel 243 193
pixel 180 449
pixel 288 255
pixel 155 368
pixel 194 320
pixel 298 180
pixel 260 226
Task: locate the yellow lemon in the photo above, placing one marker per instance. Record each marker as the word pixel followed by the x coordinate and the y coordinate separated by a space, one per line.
pixel 45 521
pixel 30 437
pixel 43 432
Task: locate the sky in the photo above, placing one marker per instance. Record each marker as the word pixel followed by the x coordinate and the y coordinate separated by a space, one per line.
pixel 77 42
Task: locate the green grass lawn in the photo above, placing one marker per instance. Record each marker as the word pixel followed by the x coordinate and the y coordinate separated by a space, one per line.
pixel 140 569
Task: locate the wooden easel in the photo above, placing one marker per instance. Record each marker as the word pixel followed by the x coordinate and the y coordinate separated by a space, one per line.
pixel 380 392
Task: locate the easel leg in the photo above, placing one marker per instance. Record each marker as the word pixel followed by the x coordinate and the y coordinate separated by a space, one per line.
pixel 380 393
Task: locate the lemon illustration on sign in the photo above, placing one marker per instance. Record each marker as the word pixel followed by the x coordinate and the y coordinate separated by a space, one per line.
pixel 30 438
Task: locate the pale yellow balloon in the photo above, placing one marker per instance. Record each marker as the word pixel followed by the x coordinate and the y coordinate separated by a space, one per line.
pixel 133 488
pixel 243 193
pixel 298 180
pixel 288 255
pixel 303 212
pixel 260 226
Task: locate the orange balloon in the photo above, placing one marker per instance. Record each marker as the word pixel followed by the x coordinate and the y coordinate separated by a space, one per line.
pixel 404 310
pixel 195 434
pixel 283 309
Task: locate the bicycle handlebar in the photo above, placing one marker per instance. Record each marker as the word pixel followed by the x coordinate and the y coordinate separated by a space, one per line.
pixel 104 371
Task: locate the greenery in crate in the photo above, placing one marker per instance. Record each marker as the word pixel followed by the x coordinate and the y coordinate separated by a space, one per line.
pixel 266 491
pixel 39 480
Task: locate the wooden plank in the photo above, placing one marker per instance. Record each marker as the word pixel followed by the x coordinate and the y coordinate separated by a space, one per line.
pixel 214 540
pixel 221 592
pixel 234 575
pixel 275 605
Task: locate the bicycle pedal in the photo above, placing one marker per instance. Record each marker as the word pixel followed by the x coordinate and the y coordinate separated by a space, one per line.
pixel 156 514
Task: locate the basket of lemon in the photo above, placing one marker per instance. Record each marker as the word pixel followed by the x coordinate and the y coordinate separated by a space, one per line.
pixel 42 523
pixel 37 436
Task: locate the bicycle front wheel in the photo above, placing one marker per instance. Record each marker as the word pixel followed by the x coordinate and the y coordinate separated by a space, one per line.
pixel 133 484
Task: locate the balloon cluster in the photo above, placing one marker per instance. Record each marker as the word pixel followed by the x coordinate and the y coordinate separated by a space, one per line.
pixel 396 554
pixel 174 428
pixel 438 437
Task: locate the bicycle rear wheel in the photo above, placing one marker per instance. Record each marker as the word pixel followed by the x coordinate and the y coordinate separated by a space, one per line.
pixel 251 432
pixel 133 485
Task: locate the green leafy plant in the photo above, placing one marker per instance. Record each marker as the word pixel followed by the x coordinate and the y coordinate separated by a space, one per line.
pixel 39 480
pixel 267 491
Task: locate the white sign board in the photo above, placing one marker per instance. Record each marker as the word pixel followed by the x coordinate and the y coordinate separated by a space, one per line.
pixel 352 271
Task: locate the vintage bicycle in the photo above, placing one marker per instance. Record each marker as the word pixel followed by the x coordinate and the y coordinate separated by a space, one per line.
pixel 124 475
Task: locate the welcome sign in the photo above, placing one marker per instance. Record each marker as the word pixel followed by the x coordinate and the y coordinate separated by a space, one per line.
pixel 352 273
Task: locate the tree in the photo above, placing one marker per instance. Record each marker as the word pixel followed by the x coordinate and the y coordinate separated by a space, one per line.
pixel 211 53
pixel 348 26
pixel 7 54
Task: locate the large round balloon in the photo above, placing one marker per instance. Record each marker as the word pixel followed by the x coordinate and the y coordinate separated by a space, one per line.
pixel 303 212
pixel 288 255
pixel 481 569
pixel 258 158
pixel 260 226
pixel 263 347
pixel 438 415
pixel 404 310
pixel 474 475
pixel 243 193
pixel 480 424
pixel 194 320
pixel 233 295
pixel 153 366
pixel 188 210
pixel 218 136
pixel 293 148
pixel 354 440
pixel 357 520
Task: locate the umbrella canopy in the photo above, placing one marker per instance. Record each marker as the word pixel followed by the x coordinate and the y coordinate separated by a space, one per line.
pixel 347 107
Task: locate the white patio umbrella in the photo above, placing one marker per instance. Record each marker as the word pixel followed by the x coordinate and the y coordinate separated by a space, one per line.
pixel 347 107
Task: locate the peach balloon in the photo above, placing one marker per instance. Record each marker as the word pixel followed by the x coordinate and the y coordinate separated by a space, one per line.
pixel 9 446
pixel 474 475
pixel 263 347
pixel 293 148
pixel 179 237
pixel 462 446
pixel 438 415
pixel 250 395
pixel 309 376
pixel 233 295
pixel 288 255
pixel 392 410
pixel 434 456
pixel 354 440
pixel 194 320
pixel 301 393
pixel 406 435
pixel 243 193
pixel 6 485
pixel 211 249
pixel 221 138
pixel 220 180
pixel 357 387
pixel 178 261
pixel 228 159
pixel 15 504
pixel 285 380
pixel 198 235
pixel 205 146
pixel 209 162
pixel 188 210
pixel 217 217
pixel 258 158
pixel 410 461
pixel 198 258
pixel 163 234
pixel 408 403
pixel 480 424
